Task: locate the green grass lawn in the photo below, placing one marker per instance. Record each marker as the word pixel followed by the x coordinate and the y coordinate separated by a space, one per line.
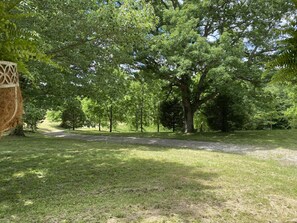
pixel 59 180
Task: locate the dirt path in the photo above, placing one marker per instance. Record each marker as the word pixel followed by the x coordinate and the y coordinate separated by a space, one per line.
pixel 285 156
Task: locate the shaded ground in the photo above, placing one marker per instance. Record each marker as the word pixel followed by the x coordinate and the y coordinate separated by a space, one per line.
pixel 285 156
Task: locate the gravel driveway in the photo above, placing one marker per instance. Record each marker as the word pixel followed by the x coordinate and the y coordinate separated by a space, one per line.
pixel 285 156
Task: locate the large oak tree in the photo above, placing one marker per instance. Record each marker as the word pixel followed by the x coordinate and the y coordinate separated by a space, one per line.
pixel 199 46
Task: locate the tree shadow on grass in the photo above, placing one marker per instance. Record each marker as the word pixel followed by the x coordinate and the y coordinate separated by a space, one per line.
pixel 91 180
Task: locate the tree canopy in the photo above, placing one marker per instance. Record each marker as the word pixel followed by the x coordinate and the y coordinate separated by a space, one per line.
pixel 123 59
pixel 198 47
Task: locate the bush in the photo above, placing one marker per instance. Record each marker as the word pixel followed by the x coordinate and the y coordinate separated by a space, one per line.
pixel 33 115
pixel 73 115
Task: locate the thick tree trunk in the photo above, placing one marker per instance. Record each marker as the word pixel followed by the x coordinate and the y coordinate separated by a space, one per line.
pixel 189 120
pixel 18 131
pixel 188 109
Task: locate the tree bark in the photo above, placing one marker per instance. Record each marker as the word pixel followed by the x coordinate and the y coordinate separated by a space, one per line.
pixel 18 131
pixel 188 119
pixel 188 108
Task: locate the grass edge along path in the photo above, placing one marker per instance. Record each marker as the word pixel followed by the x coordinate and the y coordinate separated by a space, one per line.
pixel 271 139
pixel 285 156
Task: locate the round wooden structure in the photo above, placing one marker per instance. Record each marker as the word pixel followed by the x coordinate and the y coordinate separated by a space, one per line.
pixel 11 106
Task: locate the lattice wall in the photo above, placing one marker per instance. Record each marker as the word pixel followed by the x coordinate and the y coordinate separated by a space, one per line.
pixel 8 75
pixel 11 107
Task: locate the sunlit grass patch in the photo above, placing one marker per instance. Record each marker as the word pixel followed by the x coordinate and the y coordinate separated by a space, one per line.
pixel 56 180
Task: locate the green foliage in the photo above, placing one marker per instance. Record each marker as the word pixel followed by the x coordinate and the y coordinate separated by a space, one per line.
pixel 33 115
pixel 79 33
pixel 269 108
pixel 73 115
pixel 94 113
pixel 291 111
pixel 291 114
pixel 109 88
pixel 286 60
pixel 79 36
pixel 141 102
pixel 226 113
pixel 135 105
pixel 17 43
pixel 198 47
pixel 200 120
pixel 121 54
pixel 171 114
pixel 54 116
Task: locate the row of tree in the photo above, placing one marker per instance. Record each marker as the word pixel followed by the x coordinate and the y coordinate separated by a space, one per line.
pixel 139 107
pixel 208 57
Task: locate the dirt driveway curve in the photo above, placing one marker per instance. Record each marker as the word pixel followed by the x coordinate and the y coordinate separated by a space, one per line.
pixel 285 156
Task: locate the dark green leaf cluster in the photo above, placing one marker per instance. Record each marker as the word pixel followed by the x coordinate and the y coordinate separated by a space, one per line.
pixel 225 114
pixel 171 114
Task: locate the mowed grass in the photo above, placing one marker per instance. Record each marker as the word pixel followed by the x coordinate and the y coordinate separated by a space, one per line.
pixel 59 180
